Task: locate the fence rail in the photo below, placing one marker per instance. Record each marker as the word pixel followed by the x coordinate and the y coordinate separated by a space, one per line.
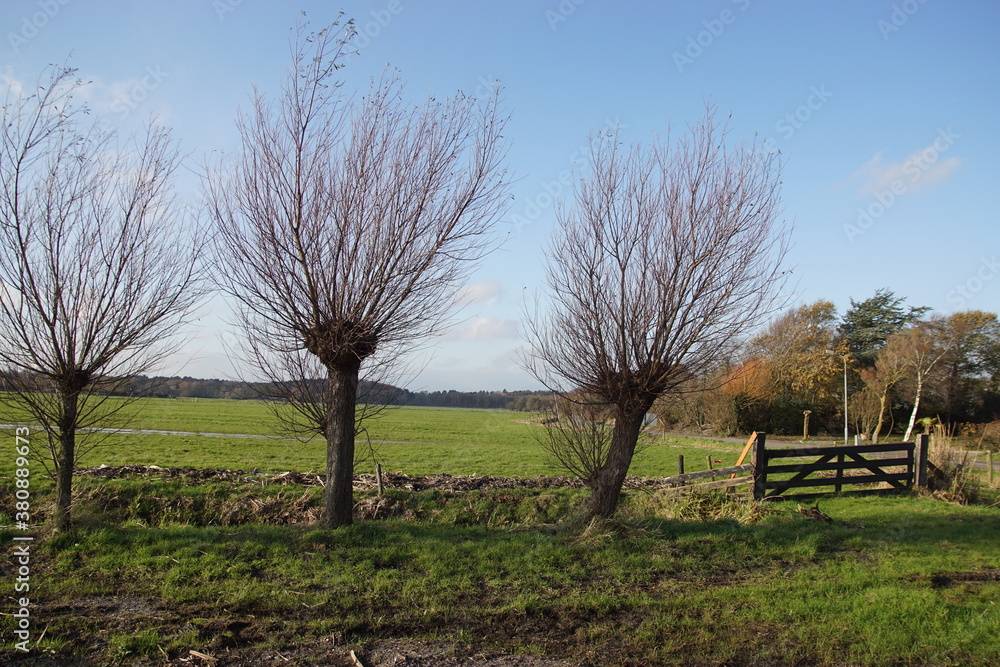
pixel 838 460
pixel 703 479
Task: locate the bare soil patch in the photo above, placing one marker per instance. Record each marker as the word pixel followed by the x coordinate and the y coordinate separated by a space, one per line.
pixel 390 480
pixel 949 579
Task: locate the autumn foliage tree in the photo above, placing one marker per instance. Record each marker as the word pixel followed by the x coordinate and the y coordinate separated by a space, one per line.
pixel 804 356
pixel 737 396
pixel 971 369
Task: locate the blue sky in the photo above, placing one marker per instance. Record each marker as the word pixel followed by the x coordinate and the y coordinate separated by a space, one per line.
pixel 885 113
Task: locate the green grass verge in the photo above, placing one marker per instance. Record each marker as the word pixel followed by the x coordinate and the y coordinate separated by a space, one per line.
pixel 235 570
pixel 896 581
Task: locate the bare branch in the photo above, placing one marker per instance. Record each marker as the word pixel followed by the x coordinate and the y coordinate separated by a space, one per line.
pixel 668 258
pixel 99 265
pixel 346 230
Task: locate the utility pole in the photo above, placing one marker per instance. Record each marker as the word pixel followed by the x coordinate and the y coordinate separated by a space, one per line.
pixel 845 399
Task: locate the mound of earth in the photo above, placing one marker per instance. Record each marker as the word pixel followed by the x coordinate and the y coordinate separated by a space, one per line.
pixel 390 480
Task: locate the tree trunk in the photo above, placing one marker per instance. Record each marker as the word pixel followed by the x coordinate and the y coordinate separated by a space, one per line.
pixel 916 406
pixel 883 399
pixel 338 497
pixel 65 458
pixel 607 482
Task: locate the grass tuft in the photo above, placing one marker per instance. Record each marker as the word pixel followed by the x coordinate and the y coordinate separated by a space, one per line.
pixel 952 476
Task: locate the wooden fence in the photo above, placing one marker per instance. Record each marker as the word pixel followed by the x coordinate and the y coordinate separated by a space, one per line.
pixel 873 460
pixel 704 479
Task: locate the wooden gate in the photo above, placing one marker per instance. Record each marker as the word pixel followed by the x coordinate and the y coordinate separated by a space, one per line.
pixel 771 466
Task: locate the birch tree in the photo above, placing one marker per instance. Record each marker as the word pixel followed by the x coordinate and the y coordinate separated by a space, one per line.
pixel 890 369
pixel 922 348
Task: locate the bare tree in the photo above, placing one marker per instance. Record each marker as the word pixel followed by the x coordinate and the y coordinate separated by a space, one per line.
pixel 921 347
pixel 576 434
pixel 346 230
pixel 668 257
pixel 99 267
pixel 889 370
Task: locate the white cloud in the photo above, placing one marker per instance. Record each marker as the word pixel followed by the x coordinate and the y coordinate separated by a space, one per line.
pixel 127 97
pixel 9 85
pixel 490 293
pixel 921 168
pixel 488 328
pixel 113 101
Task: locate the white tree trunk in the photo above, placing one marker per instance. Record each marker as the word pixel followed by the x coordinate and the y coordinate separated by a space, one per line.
pixel 916 406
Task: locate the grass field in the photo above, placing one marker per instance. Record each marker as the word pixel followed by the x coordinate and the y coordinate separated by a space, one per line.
pixel 157 568
pixel 416 441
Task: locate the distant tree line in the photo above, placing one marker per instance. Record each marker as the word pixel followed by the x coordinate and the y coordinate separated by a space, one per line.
pixel 368 392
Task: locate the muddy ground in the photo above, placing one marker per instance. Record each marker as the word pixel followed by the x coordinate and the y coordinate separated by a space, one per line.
pixel 390 480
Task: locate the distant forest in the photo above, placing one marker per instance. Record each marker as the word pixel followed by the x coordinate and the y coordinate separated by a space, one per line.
pixel 188 387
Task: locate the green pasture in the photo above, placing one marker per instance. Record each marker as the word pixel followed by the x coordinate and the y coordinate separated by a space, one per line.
pixel 238 570
pixel 412 440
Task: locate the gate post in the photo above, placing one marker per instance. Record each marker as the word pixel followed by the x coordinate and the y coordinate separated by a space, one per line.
pixel 920 461
pixel 759 466
pixel 839 477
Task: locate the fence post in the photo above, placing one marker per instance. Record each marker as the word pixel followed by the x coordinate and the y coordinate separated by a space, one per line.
pixel 378 479
pixel 839 477
pixel 759 466
pixel 680 464
pixel 989 466
pixel 920 461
